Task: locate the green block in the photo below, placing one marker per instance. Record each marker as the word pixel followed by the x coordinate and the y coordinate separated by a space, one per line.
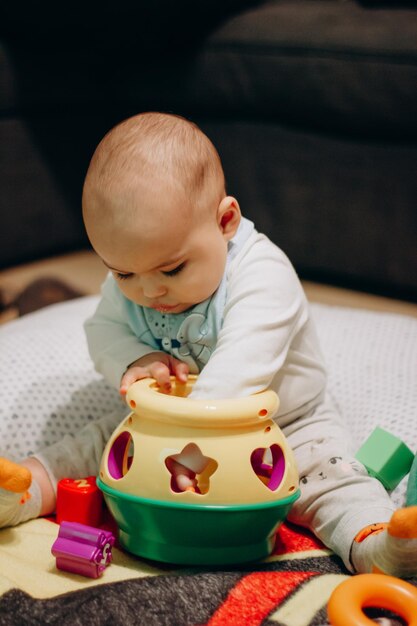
pixel 411 499
pixel 385 457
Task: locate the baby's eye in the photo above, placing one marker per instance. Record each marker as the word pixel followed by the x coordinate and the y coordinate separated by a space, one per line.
pixel 304 480
pixel 174 271
pixel 121 276
pixel 335 459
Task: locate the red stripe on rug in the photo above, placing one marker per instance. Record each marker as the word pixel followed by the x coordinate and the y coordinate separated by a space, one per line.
pixel 255 596
pixel 295 539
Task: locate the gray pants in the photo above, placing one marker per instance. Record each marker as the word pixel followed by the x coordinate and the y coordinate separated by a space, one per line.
pixel 338 497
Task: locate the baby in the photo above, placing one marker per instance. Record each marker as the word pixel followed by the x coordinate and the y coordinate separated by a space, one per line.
pixel 194 288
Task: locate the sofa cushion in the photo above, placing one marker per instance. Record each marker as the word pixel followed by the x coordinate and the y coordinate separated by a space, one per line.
pixel 325 65
pixel 342 67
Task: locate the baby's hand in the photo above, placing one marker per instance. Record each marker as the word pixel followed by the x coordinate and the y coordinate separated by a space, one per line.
pixel 157 365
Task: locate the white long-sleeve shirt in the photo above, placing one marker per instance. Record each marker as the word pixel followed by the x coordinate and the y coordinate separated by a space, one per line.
pixel 254 333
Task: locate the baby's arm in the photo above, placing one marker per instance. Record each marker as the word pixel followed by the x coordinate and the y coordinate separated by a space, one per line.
pixel 265 309
pixel 121 346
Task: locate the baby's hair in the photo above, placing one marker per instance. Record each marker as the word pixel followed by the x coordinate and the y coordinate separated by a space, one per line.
pixel 153 142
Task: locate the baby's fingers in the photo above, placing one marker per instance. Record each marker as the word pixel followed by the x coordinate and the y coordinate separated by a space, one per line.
pixel 131 376
pixel 179 369
pixel 160 372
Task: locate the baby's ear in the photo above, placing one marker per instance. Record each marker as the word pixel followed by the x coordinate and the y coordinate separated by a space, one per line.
pixel 228 216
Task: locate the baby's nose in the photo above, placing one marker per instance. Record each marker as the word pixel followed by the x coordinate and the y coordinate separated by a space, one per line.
pixel 152 288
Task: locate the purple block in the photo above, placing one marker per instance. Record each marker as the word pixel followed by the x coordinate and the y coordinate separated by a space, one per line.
pixel 82 549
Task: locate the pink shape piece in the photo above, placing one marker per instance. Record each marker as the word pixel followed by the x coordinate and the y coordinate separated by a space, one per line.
pixel 116 455
pixel 274 472
pixel 82 549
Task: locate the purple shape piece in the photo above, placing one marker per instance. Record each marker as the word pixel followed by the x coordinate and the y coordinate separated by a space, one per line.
pixel 274 472
pixel 278 464
pixel 116 455
pixel 82 549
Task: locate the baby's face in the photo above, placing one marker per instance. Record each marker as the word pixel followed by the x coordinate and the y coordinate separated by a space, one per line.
pixel 170 265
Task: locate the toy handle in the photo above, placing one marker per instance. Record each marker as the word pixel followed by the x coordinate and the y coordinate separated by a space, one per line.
pixel 176 407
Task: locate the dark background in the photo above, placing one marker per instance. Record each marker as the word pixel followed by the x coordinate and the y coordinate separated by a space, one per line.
pixel 311 103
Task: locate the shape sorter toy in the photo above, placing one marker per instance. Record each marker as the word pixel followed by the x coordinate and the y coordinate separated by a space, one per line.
pixel 197 481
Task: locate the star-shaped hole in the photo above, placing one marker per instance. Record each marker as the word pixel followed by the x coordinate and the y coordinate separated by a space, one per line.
pixel 190 470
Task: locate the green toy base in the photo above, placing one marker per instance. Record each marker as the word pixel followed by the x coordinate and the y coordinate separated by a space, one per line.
pixel 196 555
pixel 196 534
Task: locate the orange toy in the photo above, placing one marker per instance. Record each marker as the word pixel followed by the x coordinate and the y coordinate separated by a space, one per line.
pixel 348 600
pixel 14 477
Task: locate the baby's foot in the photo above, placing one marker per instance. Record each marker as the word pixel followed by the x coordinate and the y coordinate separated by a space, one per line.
pixel 390 548
pixel 20 498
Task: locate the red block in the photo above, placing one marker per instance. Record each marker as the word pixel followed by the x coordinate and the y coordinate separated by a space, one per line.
pixel 79 500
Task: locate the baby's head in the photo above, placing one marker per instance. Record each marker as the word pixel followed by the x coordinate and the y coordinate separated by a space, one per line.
pixel 156 211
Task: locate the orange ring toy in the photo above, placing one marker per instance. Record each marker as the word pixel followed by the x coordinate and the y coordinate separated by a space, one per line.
pixel 371 590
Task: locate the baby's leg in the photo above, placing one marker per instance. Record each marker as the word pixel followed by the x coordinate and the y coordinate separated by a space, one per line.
pixel 79 455
pixel 73 457
pixel 20 496
pixel 389 548
pixel 338 497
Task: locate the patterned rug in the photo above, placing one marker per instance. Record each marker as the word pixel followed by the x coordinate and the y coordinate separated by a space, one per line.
pixel 290 588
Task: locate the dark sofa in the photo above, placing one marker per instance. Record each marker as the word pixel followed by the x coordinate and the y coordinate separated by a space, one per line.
pixel 311 103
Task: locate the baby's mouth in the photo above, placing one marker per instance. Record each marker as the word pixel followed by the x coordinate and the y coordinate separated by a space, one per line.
pixel 164 308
